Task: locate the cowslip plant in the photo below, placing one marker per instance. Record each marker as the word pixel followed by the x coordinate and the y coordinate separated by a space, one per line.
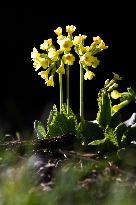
pixel 107 130
pixel 60 59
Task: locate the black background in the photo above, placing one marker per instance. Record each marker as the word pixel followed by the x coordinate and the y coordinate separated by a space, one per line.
pixel 23 95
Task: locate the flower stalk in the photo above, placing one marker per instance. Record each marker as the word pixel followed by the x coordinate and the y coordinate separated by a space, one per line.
pixel 81 95
pixel 61 92
pixel 67 87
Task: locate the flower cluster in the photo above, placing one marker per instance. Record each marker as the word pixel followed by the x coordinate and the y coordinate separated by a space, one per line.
pixel 87 53
pixel 53 60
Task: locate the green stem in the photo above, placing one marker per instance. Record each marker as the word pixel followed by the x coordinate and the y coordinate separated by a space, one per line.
pixel 61 91
pixel 67 76
pixel 81 94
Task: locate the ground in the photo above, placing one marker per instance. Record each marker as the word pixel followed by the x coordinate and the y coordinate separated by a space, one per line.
pixel 57 172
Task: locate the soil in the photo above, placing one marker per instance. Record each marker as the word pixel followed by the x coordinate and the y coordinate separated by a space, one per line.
pixel 47 157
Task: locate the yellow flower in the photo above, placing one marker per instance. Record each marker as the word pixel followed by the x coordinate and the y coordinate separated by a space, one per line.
pixel 95 62
pixel 50 82
pixel 116 77
pixel 102 45
pixel 36 64
pixel 44 62
pixel 68 59
pixel 53 54
pixel 89 75
pixel 58 31
pixel 46 44
pixel 40 62
pixel 61 69
pixel 88 60
pixel 44 74
pixel 70 29
pixel 116 108
pixel 65 44
pixel 97 45
pixel 49 41
pixel 60 38
pixel 97 40
pixel 87 48
pixel 83 49
pixel 78 39
pixel 115 94
pixel 84 37
pixel 35 54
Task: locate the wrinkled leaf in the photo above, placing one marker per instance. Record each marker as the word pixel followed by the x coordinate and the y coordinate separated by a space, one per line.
pixel 91 131
pixel 115 120
pixel 124 127
pixel 72 119
pixel 39 130
pixel 97 142
pixel 60 124
pixel 104 112
pixel 110 135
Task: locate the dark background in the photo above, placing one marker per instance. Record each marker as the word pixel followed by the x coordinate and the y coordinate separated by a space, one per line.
pixel 24 97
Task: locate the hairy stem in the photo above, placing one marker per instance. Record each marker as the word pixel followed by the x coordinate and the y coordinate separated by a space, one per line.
pixel 81 94
pixel 67 76
pixel 61 91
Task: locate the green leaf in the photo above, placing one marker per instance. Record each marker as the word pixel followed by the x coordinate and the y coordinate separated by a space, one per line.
pixel 39 130
pixel 60 124
pixel 57 123
pixel 72 119
pixel 115 120
pixel 91 131
pixel 108 144
pixel 119 131
pixel 52 113
pixel 104 104
pixel 111 136
pixel 125 127
pixel 97 142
